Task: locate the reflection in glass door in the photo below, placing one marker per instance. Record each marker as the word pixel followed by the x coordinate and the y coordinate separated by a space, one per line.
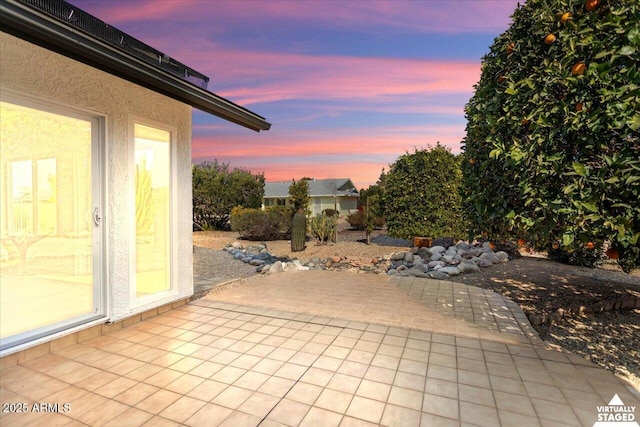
pixel 50 276
pixel 152 207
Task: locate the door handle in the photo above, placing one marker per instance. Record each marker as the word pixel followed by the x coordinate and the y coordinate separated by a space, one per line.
pixel 96 217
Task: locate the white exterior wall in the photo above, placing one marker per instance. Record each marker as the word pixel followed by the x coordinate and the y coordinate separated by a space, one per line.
pixel 33 71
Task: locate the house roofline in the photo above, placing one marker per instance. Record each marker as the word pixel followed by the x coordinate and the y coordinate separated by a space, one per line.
pixel 36 27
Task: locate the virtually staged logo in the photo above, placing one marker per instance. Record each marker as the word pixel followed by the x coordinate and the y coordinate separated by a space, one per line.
pixel 616 414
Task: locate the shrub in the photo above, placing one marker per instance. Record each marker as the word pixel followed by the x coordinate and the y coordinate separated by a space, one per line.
pixel 330 212
pixel 422 194
pixel 358 219
pixel 552 146
pixel 257 224
pixel 217 189
pixel 323 228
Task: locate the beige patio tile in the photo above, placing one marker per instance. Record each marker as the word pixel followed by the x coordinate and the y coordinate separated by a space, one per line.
pixel 543 391
pixel 400 416
pixel 115 387
pixel 136 394
pixel 355 369
pixel 289 412
pixel 385 361
pixel 479 395
pixel 228 374
pixel 207 390
pixel 304 393
pixel 158 401
pixel 291 371
pixel 143 372
pixel 184 384
pixel 99 412
pixel 514 403
pixel 406 398
pixel 441 406
pixel 182 409
pixel 232 397
pixel 478 414
pixel 251 380
pixel 240 419
pixel 512 419
pixel 333 400
pixel 373 390
pixel 317 417
pixel 276 386
pixel 259 404
pixel 316 376
pixel 327 362
pixel 132 417
pixel 366 409
pixel 158 421
pixel 209 414
pixel 413 367
pixel 411 381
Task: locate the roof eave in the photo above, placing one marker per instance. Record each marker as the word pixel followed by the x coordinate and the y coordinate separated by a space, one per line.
pixel 29 24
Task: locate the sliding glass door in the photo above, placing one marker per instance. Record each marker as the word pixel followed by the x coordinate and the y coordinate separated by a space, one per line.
pixel 51 254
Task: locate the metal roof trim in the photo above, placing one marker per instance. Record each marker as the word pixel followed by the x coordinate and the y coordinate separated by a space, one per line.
pixel 31 25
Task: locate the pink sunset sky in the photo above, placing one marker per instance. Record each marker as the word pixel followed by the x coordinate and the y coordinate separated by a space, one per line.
pixel 347 85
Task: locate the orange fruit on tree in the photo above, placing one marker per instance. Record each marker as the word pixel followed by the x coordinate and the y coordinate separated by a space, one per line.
pixel 555 245
pixel 510 48
pixel 612 253
pixel 521 242
pixel 525 122
pixel 501 79
pixel 472 161
pixel 591 4
pixel 578 69
pixel 591 245
pixel 550 39
pixel 579 106
pixel 565 17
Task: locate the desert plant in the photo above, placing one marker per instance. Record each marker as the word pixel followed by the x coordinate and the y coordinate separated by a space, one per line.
pixel 298 232
pixel 422 194
pixel 299 196
pixel 357 219
pixel 552 150
pixel 324 228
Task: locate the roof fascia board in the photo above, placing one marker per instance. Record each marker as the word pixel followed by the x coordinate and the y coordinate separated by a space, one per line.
pixel 26 23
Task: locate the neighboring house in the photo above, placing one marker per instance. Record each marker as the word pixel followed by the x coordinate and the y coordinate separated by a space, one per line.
pixel 338 194
pixel 95 174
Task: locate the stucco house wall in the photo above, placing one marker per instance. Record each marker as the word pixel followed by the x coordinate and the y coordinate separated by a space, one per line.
pixel 80 86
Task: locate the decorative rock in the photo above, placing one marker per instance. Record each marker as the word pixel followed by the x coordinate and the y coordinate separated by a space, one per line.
pixel 256 262
pixel 397 256
pixel 408 257
pixel 491 257
pixel 437 249
pixel 276 267
pixel 451 271
pixel 468 267
pixel 502 256
pixel 417 273
pixel 237 245
pixel 438 275
pixel 436 256
pixel 484 263
pixel 434 264
pixel 336 258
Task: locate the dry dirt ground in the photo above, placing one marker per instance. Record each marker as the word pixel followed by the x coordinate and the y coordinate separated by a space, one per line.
pixel 610 339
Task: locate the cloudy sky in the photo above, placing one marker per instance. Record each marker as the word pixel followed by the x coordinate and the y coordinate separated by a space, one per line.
pixel 347 85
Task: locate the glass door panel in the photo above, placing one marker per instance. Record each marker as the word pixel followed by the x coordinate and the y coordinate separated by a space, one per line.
pixel 153 219
pixel 48 278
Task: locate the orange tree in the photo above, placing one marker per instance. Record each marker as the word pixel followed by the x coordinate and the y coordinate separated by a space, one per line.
pixel 552 150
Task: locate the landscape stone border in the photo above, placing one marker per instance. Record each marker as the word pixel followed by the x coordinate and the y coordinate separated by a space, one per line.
pixel 436 262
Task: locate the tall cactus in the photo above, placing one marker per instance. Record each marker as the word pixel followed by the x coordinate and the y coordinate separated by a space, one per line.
pixel 298 232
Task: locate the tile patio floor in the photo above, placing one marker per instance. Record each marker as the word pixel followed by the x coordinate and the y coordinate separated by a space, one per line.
pixel 324 349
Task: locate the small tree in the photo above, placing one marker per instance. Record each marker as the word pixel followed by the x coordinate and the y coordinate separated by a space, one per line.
pixel 217 189
pixel 299 196
pixel 422 194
